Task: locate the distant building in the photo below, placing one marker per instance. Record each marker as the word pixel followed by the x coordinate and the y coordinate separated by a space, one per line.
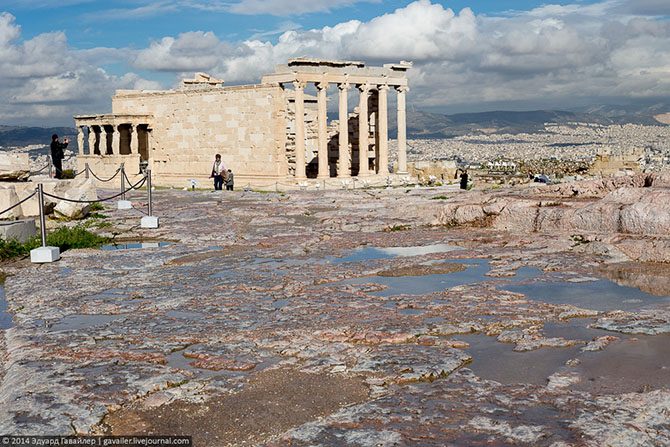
pixel 254 127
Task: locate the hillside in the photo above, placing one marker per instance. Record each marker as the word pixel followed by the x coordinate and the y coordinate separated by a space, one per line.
pixel 24 136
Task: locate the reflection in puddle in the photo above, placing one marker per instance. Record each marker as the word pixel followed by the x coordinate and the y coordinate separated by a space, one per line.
pixel 596 295
pixel 83 321
pixel 370 253
pixel 134 245
pixel 411 311
pixel 632 364
pixel 184 315
pixel 5 317
pixel 475 272
pixel 497 361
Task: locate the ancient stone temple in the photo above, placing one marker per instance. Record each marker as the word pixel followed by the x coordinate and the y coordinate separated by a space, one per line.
pixel 275 131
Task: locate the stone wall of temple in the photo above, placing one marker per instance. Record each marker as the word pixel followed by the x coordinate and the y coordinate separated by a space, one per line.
pixel 245 124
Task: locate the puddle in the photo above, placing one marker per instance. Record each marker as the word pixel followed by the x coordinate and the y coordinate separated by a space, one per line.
pixel 83 321
pixel 5 317
pixel 184 315
pixel 497 361
pixel 411 311
pixel 474 272
pixel 280 304
pixel 177 360
pixel 633 364
pixel 371 253
pixel 134 245
pixel 601 295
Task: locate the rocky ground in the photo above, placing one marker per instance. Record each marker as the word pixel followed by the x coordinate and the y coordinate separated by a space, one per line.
pixel 382 317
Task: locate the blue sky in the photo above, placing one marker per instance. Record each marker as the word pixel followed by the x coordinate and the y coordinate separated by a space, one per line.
pixel 91 24
pixel 64 57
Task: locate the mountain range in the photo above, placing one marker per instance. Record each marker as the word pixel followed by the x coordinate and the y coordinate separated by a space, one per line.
pixel 25 136
pixel 423 124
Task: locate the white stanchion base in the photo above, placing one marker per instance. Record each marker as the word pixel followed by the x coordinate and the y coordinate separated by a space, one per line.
pixel 124 205
pixel 43 255
pixel 149 222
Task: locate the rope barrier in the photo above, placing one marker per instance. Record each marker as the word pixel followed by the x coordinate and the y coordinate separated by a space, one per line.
pixel 132 187
pixel 125 176
pixel 80 173
pixel 18 203
pixel 109 179
pixel 40 170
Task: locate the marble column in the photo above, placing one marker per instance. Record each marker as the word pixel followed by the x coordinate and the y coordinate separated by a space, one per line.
pixel 91 140
pixel 134 139
pixel 383 130
pixel 299 130
pixel 322 96
pixel 402 131
pixel 363 130
pixel 344 163
pixel 80 139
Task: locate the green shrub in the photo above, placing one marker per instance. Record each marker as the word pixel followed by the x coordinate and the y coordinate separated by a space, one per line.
pixel 74 237
pixel 439 198
pixel 96 206
pixel 13 249
pixel 67 174
pixel 65 238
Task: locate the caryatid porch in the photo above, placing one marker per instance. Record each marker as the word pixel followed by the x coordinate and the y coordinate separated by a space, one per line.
pixel 373 84
pixel 106 141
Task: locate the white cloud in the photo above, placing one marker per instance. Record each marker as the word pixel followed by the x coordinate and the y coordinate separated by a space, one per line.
pixel 552 55
pixel 43 80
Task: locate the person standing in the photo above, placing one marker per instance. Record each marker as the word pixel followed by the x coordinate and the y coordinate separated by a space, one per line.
pixel 464 180
pixel 57 154
pixel 230 182
pixel 218 170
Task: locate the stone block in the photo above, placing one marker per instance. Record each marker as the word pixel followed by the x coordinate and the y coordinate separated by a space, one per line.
pixel 149 222
pixel 18 230
pixel 124 205
pixel 8 197
pixel 14 167
pixel 43 255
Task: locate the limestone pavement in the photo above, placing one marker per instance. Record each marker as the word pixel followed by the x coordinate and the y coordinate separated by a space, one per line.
pixel 294 315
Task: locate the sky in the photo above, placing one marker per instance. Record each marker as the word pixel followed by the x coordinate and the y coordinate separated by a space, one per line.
pixel 60 58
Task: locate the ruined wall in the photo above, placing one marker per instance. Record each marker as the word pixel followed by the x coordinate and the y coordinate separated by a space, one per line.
pixel 245 124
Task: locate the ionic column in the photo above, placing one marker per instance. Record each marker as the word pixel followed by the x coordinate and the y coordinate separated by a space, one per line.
pixel 299 130
pixel 323 130
pixel 91 140
pixel 383 131
pixel 363 130
pixel 134 139
pixel 402 131
pixel 343 165
pixel 80 139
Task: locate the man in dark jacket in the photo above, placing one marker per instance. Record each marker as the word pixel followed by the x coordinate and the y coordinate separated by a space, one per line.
pixel 57 154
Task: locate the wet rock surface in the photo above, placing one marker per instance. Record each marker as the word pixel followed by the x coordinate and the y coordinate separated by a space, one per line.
pixel 300 319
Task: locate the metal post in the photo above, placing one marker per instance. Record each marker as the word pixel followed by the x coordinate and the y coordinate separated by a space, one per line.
pixel 86 169
pixel 50 165
pixel 43 224
pixel 123 183
pixel 149 192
